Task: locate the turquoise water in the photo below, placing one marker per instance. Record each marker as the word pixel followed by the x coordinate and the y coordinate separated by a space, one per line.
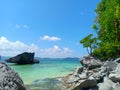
pixel 47 68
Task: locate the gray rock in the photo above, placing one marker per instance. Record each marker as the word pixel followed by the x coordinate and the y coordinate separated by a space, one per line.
pixel 72 79
pixel 24 58
pixel 91 62
pixel 115 75
pixel 110 65
pixel 9 79
pixel 92 88
pixel 117 70
pixel 94 75
pixel 117 60
pixel 106 85
pixel 79 70
pixel 83 76
pixel 86 83
pixel 117 86
pixel 109 85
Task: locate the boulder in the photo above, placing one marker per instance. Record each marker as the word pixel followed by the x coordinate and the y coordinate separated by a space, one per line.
pixel 91 62
pixel 106 85
pixel 92 88
pixel 72 79
pixel 79 79
pixel 117 60
pixel 86 83
pixel 110 65
pixel 109 85
pixel 9 79
pixel 115 75
pixel 24 58
pixel 79 70
pixel 117 86
pixel 94 75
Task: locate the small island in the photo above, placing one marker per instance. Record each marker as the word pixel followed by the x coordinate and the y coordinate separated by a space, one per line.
pixel 24 58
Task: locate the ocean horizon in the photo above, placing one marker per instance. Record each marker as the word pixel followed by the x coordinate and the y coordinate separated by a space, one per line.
pixel 34 75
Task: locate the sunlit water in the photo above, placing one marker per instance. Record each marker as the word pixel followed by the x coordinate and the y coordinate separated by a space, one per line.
pixel 47 68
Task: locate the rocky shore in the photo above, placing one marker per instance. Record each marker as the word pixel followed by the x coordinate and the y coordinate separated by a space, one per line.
pixel 93 75
pixel 9 79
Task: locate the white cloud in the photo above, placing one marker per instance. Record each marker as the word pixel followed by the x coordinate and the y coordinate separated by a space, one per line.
pixel 25 26
pixel 56 51
pixel 10 48
pixel 18 26
pixel 50 38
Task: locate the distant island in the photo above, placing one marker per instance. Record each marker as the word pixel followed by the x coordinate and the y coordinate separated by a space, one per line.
pixel 24 58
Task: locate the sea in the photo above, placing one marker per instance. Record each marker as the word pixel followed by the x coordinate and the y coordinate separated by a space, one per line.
pixel 41 76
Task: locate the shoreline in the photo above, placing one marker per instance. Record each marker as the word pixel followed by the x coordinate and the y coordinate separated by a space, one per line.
pixel 93 75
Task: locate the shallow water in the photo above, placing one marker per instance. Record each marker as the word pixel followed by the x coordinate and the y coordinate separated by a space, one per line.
pixel 37 76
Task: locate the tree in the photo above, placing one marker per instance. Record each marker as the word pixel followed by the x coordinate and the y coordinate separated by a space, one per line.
pixel 89 43
pixel 107 27
pixel 108 12
pixel 108 18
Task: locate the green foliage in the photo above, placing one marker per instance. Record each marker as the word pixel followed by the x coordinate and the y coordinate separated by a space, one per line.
pixel 108 18
pixel 107 27
pixel 95 27
pixel 107 51
pixel 108 12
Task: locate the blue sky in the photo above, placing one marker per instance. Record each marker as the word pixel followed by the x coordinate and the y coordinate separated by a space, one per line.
pixel 50 28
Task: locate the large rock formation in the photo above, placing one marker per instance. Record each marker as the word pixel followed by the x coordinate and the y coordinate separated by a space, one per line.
pixel 90 62
pixel 24 58
pixel 93 75
pixel 9 79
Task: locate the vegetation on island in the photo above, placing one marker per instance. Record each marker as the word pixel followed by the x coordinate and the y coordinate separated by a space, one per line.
pixel 106 44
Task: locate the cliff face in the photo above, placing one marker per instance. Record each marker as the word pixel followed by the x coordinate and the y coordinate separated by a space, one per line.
pixel 9 79
pixel 24 58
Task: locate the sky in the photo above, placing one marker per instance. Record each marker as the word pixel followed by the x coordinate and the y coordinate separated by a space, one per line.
pixel 50 28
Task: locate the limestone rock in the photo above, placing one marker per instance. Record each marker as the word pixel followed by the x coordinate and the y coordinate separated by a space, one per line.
pixel 79 70
pixel 90 62
pixel 110 65
pixel 24 58
pixel 109 85
pixel 117 60
pixel 115 75
pixel 9 79
pixel 86 83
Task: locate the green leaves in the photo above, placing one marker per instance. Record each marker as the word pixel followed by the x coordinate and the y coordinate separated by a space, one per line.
pixel 89 42
pixel 108 18
pixel 107 26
